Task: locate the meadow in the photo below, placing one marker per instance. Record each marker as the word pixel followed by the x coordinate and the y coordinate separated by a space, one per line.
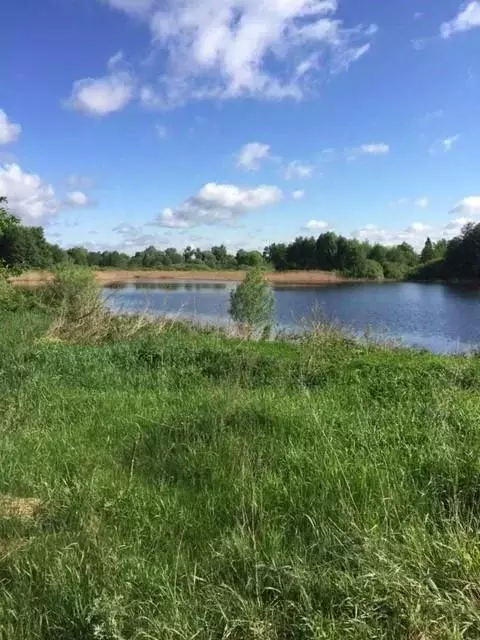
pixel 159 481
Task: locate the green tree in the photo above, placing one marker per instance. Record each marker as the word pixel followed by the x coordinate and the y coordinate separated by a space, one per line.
pixel 7 219
pixel 252 303
pixel 327 250
pixel 249 258
pixel 428 251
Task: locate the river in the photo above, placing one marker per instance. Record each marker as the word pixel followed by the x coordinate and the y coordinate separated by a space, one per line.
pixel 441 318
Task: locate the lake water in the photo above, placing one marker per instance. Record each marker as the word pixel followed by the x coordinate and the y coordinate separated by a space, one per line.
pixel 438 317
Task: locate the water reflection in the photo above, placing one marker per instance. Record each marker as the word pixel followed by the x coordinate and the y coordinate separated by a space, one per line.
pixel 442 318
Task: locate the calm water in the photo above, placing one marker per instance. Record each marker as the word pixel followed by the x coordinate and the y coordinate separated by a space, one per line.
pixel 442 318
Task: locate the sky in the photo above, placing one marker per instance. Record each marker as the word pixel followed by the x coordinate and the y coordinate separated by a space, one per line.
pixel 127 123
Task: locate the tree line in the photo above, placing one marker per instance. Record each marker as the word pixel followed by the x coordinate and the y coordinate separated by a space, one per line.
pixel 24 248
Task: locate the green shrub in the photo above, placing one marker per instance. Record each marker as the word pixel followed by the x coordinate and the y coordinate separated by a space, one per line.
pixel 373 270
pixel 394 270
pixel 252 302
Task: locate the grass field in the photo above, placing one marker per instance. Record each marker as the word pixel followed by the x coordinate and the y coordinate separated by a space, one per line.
pixel 180 484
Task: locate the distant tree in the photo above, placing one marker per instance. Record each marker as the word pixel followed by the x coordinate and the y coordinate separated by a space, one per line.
pixel 327 251
pixel 188 254
pixel 25 248
pixel 220 254
pixel 428 251
pixel 440 249
pixel 79 256
pixel 463 253
pixel 302 253
pixel 249 258
pixel 379 253
pixel 252 302
pixel 276 255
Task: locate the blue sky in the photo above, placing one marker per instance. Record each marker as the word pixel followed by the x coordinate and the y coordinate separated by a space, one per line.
pixel 125 123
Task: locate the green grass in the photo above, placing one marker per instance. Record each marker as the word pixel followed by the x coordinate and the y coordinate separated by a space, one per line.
pixel 194 486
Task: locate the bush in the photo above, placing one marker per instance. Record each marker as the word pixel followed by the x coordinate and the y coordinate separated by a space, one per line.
pixel 394 270
pixel 372 270
pixel 252 302
pixel 73 292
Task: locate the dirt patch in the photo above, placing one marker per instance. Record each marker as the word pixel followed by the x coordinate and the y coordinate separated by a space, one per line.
pixel 24 508
pixel 113 276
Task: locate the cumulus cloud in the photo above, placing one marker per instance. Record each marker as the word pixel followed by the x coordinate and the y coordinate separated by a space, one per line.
pixel 296 169
pixel 9 131
pixel 468 18
pixel 415 234
pixel 298 195
pixel 218 203
pixel 372 149
pixel 317 225
pixel 469 206
pixel 29 197
pixel 455 226
pixel 229 48
pixel 102 96
pixel 77 199
pixel 250 155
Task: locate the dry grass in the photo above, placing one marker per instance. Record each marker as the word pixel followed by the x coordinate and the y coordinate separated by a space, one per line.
pixel 23 508
pixel 300 278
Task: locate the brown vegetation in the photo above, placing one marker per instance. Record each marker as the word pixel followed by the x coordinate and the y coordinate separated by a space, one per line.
pixel 112 276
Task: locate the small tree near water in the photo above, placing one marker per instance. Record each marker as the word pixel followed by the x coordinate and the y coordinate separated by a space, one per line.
pixel 252 303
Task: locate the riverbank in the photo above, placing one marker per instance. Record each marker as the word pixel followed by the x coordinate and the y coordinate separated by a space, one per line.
pixel 161 481
pixel 113 276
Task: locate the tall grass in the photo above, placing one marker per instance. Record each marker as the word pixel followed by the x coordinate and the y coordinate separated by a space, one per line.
pixel 187 486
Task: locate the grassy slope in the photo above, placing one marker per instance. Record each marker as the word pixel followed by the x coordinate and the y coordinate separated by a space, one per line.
pixel 194 487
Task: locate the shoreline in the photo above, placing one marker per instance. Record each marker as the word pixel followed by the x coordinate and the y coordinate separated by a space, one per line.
pixel 123 276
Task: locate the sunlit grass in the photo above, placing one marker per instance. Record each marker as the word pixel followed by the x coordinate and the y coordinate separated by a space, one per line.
pixel 192 485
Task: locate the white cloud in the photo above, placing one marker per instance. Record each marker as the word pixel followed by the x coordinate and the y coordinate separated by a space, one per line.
pixel 134 7
pixel 422 202
pixel 218 203
pixel 229 48
pixel 469 206
pixel 415 234
pixel 28 196
pixel 444 145
pixel 9 131
pixel 76 199
pixel 161 131
pixel 372 149
pixel 317 225
pixel 101 96
pixel 251 154
pixel 115 60
pixel 456 225
pixel 298 195
pixel 468 18
pixel 417 227
pixel 296 169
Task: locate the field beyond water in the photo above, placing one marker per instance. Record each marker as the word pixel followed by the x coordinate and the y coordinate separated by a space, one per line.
pixel 176 483
pixel 113 276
